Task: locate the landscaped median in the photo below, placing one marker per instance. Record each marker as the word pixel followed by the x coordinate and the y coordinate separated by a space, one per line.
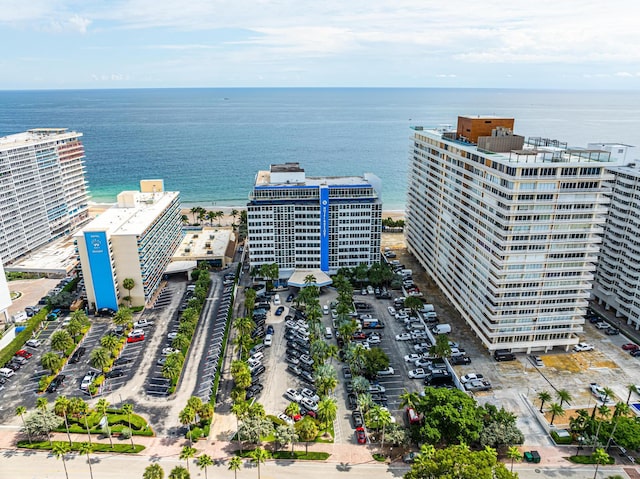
pixel 297 455
pixel 75 446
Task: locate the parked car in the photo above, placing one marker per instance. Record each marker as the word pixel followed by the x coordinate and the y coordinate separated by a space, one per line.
pixel 536 360
pixel 24 354
pixel 56 383
pixel 630 347
pixel 403 337
pixel 310 394
pixel 283 417
pixel 168 351
pixel 122 360
pixel 612 331
pixel 33 343
pixel 346 372
pixel 361 437
pixel 580 347
pixel 352 400
pixel 309 404
pixel 470 377
pixel 460 360
pixel 419 373
pixel 88 379
pixel 292 395
pixel 386 372
pixel 77 355
pixel 602 325
pixel 412 358
pixel 358 421
pixel 279 310
pixel 114 373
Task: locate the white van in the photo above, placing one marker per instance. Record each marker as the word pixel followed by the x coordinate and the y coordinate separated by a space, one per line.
pixel 327 333
pixel 442 329
pixel 6 372
pixel 276 300
pixel 325 309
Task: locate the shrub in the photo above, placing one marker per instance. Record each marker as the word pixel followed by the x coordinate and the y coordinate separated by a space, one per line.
pixel 207 429
pixel 125 433
pixel 588 460
pixel 44 382
pixel 561 440
pixel 194 434
pixel 75 446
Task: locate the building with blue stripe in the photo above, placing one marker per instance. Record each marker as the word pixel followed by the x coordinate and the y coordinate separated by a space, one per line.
pixel 324 223
pixel 134 239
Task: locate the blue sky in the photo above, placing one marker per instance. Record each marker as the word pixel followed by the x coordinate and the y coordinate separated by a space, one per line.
pixel 53 44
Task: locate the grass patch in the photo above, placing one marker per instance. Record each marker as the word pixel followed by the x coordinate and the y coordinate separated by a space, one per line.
pixel 588 460
pixel 301 455
pixel 75 446
pixel 379 457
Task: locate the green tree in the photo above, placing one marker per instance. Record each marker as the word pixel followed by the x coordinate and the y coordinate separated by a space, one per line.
pixel 441 349
pixel 564 397
pixel 235 463
pixel 206 411
pixel 621 410
pixel 42 404
pixel 379 418
pixel 21 411
pixel 61 408
pixel 544 397
pixel 153 471
pixel 631 388
pixel 375 359
pixel 556 410
pixel 110 342
pixel 41 423
pixel 307 432
pixel 292 409
pixel 123 317
pixel 187 417
pixel 187 453
pixel 61 340
pixel 514 454
pixel 327 411
pixel 259 456
pixel 409 399
pixel 86 449
pixel 181 341
pixel 204 462
pixel 51 361
pixel 128 284
pixel 413 303
pixel 254 427
pixel 497 434
pixel 458 462
pixel 101 358
pixel 79 406
pixel 102 406
pixel 128 410
pixel 179 472
pixel 285 434
pixel 600 457
pixel 60 450
pixel 239 409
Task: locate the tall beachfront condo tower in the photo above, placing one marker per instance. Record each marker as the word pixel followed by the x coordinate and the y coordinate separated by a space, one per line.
pixel 133 239
pixel 5 297
pixel 616 286
pixel 509 229
pixel 323 223
pixel 43 189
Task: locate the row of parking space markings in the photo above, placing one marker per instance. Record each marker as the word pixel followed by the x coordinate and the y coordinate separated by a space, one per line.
pixel 163 299
pixel 214 347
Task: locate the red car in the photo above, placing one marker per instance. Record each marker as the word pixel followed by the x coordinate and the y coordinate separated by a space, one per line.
pixel 296 417
pixel 361 437
pixel 136 338
pixel 359 335
pixel 626 347
pixel 24 354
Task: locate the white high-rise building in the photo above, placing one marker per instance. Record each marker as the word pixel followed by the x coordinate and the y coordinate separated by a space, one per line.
pixel 617 286
pixel 509 229
pixel 134 239
pixel 43 190
pixel 5 297
pixel 305 223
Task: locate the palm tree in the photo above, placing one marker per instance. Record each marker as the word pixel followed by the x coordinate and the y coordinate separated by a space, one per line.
pixel 109 342
pixel 187 417
pixel 128 410
pixel 187 453
pixel 381 418
pixel 153 471
pixel 556 410
pixel 599 456
pixel 51 361
pixel 181 341
pixel 233 214
pixel 210 216
pixel 21 411
pixel 292 409
pixel 61 407
pixel 41 404
pixel 128 284
pixel 258 456
pixel 80 406
pixel 100 358
pixel 61 340
pixel 239 409
pixel 179 472
pixel 203 462
pixel 235 463
pixel 632 388
pixel 564 397
pixel 514 454
pixel 194 212
pixel 60 450
pixel 441 349
pixel 409 399
pixel 608 393
pixel 86 448
pixel 123 317
pixel 621 410
pixel 327 411
pixel 544 397
pixel 307 431
pixel 184 219
pixel 604 412
pixel 102 406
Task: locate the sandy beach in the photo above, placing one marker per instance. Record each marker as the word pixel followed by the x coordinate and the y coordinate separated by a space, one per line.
pixel 96 208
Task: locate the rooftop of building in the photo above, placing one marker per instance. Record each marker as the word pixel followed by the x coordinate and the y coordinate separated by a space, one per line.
pixel 58 257
pixel 505 146
pixel 264 179
pixel 207 243
pixel 134 216
pixel 35 135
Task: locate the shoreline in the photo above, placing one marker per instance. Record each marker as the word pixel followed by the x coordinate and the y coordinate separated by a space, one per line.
pixel 96 208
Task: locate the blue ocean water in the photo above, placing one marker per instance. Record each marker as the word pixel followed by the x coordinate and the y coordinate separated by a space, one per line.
pixel 209 143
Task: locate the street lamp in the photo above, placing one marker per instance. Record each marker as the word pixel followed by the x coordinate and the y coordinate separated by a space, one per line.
pixel 580 443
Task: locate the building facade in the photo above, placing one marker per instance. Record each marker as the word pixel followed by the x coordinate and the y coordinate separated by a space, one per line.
pixel 5 297
pixel 324 223
pixel 617 286
pixel 509 229
pixel 43 190
pixel 134 239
